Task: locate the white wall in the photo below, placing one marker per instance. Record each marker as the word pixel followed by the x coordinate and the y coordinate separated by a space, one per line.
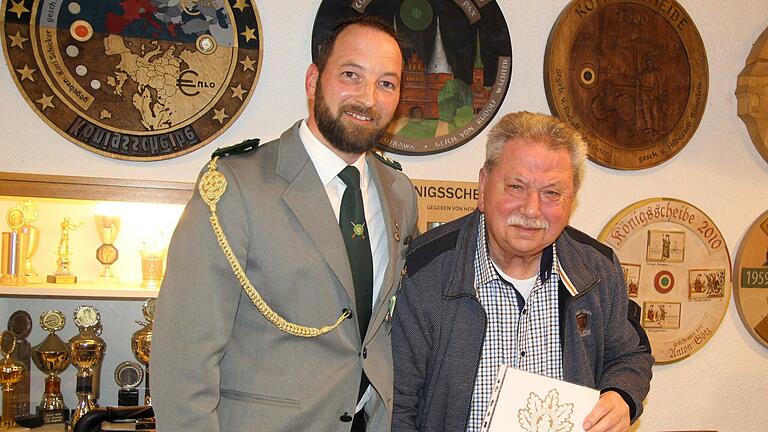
pixel 722 386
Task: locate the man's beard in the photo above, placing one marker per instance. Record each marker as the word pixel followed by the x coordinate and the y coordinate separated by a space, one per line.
pixel 348 138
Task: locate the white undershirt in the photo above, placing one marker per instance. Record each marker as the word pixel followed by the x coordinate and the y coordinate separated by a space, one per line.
pixel 523 286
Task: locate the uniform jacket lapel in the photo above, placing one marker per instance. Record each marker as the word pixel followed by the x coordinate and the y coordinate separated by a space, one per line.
pixel 306 198
pixel 392 209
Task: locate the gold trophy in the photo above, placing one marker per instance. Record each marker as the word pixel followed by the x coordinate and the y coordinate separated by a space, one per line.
pixel 52 358
pixel 141 343
pixel 63 273
pixel 87 350
pixel 13 249
pixel 20 324
pixel 11 372
pixel 30 238
pixel 107 227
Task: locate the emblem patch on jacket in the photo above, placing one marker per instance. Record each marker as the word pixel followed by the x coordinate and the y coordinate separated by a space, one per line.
pixel 582 322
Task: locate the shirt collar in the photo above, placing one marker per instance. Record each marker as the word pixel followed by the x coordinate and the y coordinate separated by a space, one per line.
pixel 488 272
pixel 327 163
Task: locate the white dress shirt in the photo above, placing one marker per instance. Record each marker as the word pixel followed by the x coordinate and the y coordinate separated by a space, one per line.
pixel 328 166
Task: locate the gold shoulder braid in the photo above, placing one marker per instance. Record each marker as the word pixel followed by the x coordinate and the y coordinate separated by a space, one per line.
pixel 212 187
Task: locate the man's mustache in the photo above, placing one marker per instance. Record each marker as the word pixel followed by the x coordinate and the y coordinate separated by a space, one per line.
pixel 526 222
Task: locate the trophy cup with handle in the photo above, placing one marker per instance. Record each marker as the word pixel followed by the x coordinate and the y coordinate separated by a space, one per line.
pixel 52 358
pixel 107 228
pixel 20 324
pixel 11 372
pixel 141 343
pixel 87 350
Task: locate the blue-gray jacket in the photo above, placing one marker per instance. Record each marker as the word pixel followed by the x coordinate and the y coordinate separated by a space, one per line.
pixel 439 327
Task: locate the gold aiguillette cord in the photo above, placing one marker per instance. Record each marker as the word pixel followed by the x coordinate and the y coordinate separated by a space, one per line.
pixel 212 187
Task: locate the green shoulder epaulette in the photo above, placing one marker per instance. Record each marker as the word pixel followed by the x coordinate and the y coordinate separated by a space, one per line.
pixel 244 147
pixel 388 162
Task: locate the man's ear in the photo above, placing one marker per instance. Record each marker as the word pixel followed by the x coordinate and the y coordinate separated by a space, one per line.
pixel 482 176
pixel 310 80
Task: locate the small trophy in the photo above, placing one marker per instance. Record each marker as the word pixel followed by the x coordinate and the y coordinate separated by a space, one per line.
pixel 107 228
pixel 52 358
pixel 128 375
pixel 20 324
pixel 30 238
pixel 87 350
pixel 63 273
pixel 11 372
pixel 13 249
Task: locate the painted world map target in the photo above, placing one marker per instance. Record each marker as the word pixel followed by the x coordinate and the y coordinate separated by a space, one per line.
pixel 137 80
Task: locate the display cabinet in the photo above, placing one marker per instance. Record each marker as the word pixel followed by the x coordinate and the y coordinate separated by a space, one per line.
pixel 148 212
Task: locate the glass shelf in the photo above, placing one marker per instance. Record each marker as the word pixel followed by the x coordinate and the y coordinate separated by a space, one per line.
pixel 85 289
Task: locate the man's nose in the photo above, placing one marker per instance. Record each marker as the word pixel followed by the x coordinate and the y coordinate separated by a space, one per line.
pixel 532 203
pixel 367 95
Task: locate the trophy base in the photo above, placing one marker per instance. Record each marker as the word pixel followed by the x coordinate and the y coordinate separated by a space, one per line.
pixel 128 397
pixel 15 429
pixel 61 279
pixel 36 279
pixel 146 424
pixel 107 279
pixel 54 416
pixel 9 280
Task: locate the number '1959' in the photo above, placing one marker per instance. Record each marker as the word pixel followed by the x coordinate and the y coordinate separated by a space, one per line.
pixel 754 278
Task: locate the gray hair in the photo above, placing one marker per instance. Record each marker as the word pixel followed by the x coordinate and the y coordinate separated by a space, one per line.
pixel 542 128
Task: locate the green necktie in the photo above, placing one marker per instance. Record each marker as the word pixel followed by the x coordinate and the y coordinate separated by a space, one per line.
pixel 355 232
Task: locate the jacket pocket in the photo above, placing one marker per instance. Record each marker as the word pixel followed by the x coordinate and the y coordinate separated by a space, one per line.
pixel 259 398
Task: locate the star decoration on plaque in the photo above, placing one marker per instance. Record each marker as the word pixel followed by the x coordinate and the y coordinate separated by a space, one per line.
pixel 18 8
pixel 248 34
pixel 238 91
pixel 241 5
pixel 247 63
pixel 17 40
pixel 220 115
pixel 134 79
pixel 26 73
pixel 45 102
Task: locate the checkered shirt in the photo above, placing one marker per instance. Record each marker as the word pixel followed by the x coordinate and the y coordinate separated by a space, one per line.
pixel 527 336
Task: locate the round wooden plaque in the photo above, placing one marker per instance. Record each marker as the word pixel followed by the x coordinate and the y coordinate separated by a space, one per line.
pixel 134 80
pixel 677 268
pixel 750 92
pixel 751 282
pixel 630 75
pixel 458 66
